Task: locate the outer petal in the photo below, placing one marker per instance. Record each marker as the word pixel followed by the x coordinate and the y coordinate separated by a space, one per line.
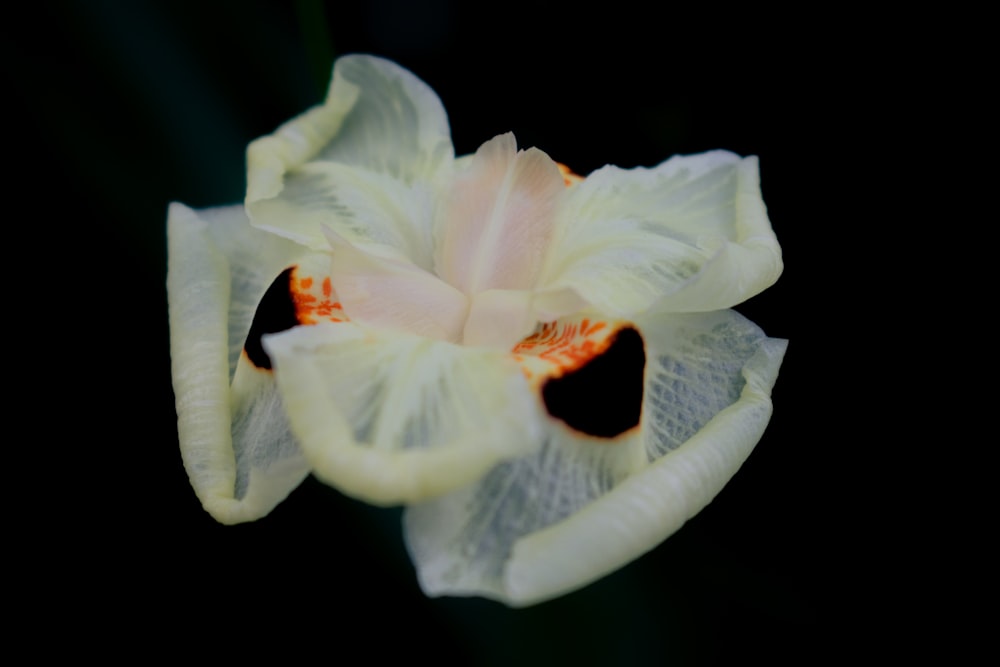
pixel 394 418
pixel 691 235
pixel 355 163
pixel 555 520
pixel 234 440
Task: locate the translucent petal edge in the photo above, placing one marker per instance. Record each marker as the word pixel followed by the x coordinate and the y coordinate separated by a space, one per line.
pixel 295 142
pixel 649 506
pixel 198 292
pixel 302 138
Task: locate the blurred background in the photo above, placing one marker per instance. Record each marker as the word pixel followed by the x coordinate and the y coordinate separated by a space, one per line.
pixel 131 105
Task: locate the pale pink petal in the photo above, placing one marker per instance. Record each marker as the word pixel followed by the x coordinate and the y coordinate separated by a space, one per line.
pixel 387 290
pixel 498 318
pixel 502 318
pixel 496 222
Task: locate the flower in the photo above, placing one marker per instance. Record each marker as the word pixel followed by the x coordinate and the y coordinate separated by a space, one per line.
pixel 541 367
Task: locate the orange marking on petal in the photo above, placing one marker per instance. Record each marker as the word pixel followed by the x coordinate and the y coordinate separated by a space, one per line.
pixel 304 298
pixel 555 349
pixel 569 178
pixel 315 301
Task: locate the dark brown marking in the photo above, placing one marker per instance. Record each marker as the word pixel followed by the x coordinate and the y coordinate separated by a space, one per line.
pixel 275 312
pixel 602 398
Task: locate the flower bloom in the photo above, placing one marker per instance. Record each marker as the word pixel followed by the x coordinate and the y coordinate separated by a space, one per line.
pixel 541 367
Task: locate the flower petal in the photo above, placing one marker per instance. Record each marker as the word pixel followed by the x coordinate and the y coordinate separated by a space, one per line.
pixel 462 543
pixel 578 508
pixel 362 206
pixel 394 418
pixel 385 289
pixel 498 318
pixel 494 227
pixel 691 235
pixel 235 443
pixel 358 160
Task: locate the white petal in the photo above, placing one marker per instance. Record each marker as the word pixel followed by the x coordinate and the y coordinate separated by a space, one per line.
pixel 551 304
pixel 555 520
pixel 234 441
pixel 393 418
pixel 252 260
pixel 461 543
pixel 269 464
pixel 362 206
pixel 694 370
pixel 691 235
pixel 652 504
pixel 496 222
pixel 378 119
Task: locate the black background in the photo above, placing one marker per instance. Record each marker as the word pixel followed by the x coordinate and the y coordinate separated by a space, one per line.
pixel 132 105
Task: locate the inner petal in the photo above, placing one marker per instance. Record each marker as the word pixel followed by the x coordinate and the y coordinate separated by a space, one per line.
pixel 501 318
pixel 496 222
pixel 498 318
pixel 382 288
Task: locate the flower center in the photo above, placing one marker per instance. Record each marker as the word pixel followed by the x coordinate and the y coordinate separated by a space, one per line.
pixel 493 227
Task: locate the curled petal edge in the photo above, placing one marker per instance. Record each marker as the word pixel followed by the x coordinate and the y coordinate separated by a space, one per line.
pixel 614 254
pixel 739 268
pixel 648 507
pixel 199 294
pixel 376 472
pixel 367 97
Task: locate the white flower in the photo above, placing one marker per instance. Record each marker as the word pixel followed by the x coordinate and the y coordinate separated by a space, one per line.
pixel 541 367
